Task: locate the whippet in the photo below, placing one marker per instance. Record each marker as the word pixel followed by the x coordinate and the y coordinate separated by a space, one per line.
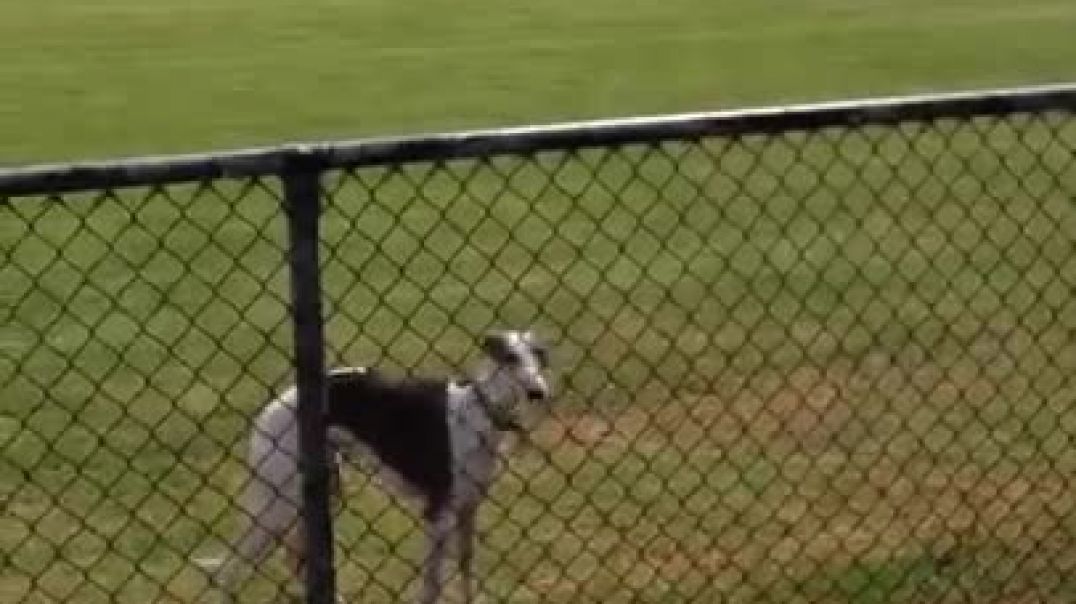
pixel 435 440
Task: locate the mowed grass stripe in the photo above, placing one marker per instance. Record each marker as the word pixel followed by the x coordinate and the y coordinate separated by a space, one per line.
pixel 123 77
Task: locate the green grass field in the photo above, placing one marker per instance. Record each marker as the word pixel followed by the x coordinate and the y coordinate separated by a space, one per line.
pixel 789 372
pixel 118 77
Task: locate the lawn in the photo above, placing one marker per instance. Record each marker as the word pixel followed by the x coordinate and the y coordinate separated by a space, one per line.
pixel 815 368
pixel 93 78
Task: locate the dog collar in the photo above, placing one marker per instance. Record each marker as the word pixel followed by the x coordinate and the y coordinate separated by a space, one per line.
pixel 502 420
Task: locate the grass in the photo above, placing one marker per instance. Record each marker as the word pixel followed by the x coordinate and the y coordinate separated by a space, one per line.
pixel 108 77
pixel 789 371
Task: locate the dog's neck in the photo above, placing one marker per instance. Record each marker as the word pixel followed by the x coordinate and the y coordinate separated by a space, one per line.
pixel 498 394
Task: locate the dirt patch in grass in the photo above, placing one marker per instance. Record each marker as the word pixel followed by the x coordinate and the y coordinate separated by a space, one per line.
pixel 755 495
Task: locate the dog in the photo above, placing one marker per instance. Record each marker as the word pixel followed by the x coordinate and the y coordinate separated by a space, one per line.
pixel 435 441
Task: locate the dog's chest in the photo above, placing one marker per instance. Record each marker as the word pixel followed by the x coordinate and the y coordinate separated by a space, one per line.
pixel 474 443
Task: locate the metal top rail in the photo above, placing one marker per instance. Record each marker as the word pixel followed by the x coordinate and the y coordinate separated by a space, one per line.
pixel 60 178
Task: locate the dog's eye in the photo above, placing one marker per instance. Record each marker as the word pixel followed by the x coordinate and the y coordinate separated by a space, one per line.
pixel 542 355
pixel 512 358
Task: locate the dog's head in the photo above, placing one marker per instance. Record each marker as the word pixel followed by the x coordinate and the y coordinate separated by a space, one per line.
pixel 524 358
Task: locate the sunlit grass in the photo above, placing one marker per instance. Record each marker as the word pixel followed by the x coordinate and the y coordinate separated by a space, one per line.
pixel 827 367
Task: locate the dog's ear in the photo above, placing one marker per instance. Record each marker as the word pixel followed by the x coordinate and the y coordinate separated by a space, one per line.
pixel 538 347
pixel 541 352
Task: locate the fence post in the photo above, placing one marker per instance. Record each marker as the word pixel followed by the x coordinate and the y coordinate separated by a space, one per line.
pixel 302 198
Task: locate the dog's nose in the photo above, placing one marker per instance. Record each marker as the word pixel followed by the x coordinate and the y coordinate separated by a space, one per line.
pixel 536 394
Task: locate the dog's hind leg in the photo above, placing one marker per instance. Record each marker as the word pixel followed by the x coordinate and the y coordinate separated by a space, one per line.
pixel 295 541
pixel 295 551
pixel 274 518
pixel 253 547
pixel 270 500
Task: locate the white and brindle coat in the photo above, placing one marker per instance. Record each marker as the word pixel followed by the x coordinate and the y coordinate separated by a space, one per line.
pixel 435 440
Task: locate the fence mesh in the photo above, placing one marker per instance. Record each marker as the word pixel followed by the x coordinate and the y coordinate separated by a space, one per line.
pixel 142 328
pixel 831 365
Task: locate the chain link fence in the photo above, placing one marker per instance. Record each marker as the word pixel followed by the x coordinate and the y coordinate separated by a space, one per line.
pixel 810 354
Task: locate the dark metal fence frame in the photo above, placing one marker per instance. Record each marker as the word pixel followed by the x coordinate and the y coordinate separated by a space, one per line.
pixel 300 166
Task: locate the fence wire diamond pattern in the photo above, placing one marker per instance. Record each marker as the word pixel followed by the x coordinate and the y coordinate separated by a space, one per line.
pixel 827 364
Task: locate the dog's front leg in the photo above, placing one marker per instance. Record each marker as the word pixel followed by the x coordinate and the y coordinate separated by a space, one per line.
pixel 465 535
pixel 438 530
